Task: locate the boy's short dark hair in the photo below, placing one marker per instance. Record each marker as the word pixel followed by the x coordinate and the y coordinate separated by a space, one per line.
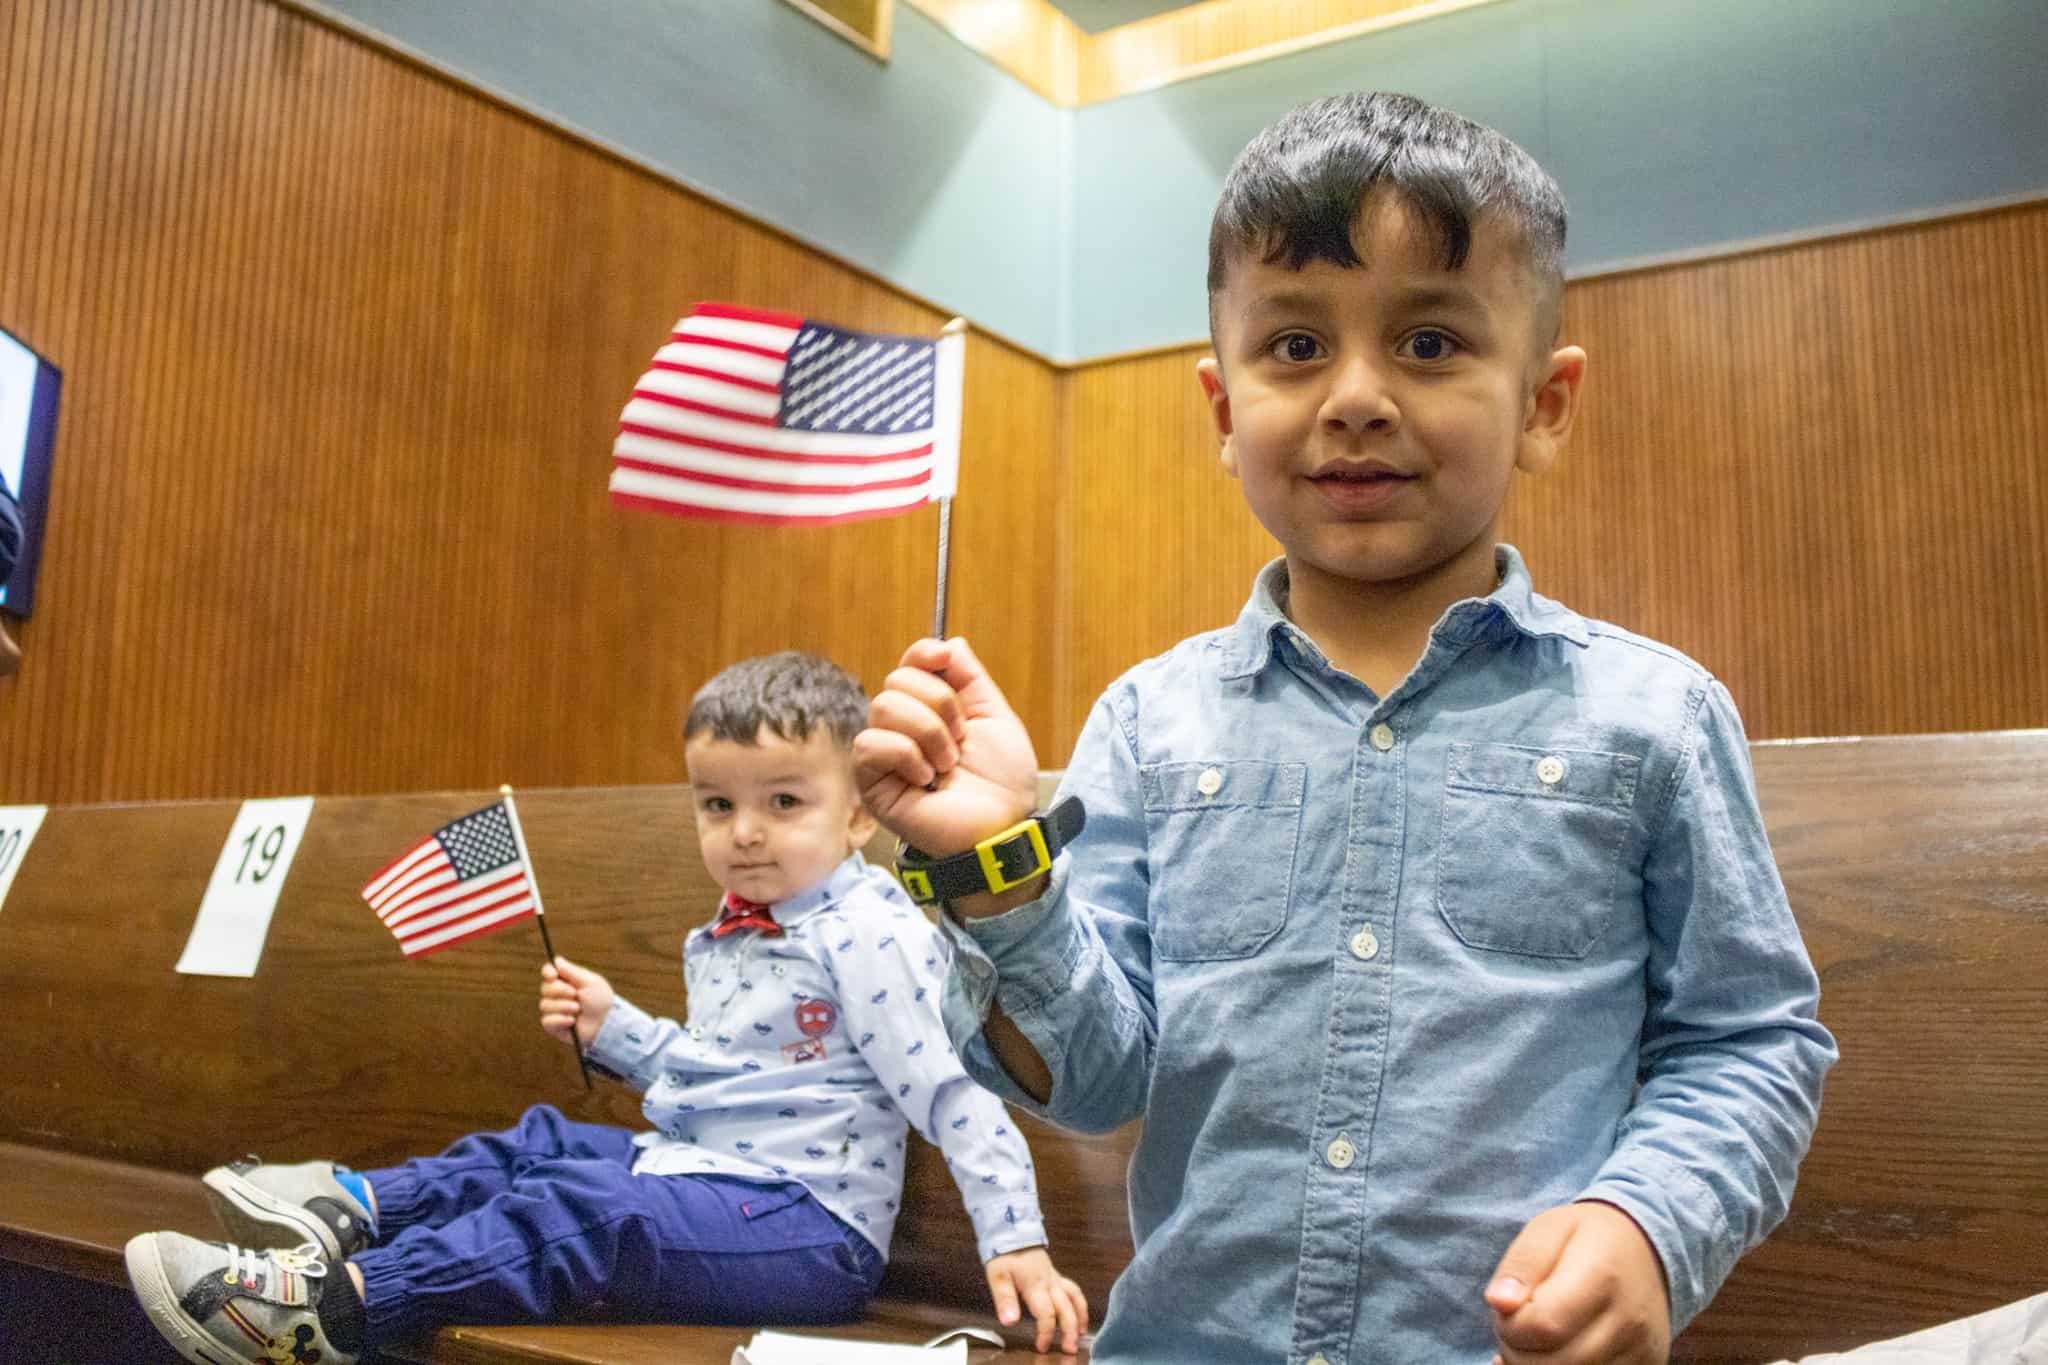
pixel 1294 192
pixel 792 693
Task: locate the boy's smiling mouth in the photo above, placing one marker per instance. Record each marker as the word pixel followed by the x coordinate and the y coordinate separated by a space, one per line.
pixel 1359 485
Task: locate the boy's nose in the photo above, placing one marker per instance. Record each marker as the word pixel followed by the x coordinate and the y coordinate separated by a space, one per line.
pixel 1359 399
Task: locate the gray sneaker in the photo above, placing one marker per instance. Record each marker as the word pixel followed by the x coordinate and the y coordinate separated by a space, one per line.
pixel 285 1206
pixel 222 1305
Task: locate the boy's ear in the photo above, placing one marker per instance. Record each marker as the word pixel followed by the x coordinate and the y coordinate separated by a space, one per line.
pixel 1209 374
pixel 862 826
pixel 1553 407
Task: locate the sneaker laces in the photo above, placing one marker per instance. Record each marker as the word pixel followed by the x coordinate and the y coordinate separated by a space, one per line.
pixel 269 1273
pixel 307 1258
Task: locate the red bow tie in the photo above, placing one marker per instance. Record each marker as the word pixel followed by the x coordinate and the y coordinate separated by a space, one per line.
pixel 735 913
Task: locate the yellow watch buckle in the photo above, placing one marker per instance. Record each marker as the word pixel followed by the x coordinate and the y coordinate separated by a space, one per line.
pixel 991 850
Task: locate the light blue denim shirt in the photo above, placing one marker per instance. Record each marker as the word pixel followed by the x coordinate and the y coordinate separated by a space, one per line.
pixel 1387 977
pixel 805 1056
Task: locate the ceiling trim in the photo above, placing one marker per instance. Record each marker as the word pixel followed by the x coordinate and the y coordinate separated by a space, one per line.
pixel 1030 39
pixel 1041 47
pixel 868 26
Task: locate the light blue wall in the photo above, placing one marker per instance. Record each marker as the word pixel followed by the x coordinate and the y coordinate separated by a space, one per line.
pixel 937 171
pixel 1674 125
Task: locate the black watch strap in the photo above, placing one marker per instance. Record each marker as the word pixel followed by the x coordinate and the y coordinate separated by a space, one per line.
pixel 998 862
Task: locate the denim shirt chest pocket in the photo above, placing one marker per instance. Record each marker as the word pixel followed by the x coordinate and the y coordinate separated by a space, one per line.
pixel 1221 839
pixel 1530 845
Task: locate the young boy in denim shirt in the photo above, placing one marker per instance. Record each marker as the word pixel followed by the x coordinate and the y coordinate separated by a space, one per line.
pixel 767 1192
pixel 1430 926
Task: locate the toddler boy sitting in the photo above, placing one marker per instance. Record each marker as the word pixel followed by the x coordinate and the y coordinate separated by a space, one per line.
pixel 768 1188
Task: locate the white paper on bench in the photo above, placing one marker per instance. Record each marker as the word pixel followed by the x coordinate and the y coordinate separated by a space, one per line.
pixel 2016 1334
pixel 18 826
pixel 780 1348
pixel 234 917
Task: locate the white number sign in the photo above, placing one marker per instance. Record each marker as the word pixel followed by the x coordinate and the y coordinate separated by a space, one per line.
pixel 18 826
pixel 234 916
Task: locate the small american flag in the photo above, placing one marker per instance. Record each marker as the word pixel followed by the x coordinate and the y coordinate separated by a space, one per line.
pixel 748 415
pixel 466 878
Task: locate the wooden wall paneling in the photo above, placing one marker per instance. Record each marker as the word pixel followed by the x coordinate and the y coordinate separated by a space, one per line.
pixel 344 348
pixel 1831 464
pixel 1061 723
pixel 1163 543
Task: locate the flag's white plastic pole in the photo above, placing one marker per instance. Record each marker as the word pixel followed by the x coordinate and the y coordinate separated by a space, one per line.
pixel 540 914
pixel 945 547
pixel 952 396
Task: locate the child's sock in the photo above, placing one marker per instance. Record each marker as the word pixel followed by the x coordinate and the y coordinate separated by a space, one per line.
pixel 341 1310
pixel 359 1190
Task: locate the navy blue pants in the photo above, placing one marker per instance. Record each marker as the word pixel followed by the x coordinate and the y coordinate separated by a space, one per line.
pixel 546 1222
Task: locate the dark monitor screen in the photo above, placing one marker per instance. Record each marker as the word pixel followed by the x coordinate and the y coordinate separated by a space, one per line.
pixel 28 431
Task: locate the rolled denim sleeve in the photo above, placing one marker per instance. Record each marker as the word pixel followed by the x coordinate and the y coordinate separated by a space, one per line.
pixel 1733 1053
pixel 1073 969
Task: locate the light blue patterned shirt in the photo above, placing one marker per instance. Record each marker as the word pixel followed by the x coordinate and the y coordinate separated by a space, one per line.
pixel 1387 977
pixel 804 1055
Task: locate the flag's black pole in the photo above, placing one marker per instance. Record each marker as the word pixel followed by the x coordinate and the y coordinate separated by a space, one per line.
pixel 540 917
pixel 547 944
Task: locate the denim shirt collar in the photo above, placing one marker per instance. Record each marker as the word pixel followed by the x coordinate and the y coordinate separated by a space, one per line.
pixel 1248 644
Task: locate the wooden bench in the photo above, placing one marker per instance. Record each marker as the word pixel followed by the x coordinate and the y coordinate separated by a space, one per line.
pixel 1918 867
pixel 123 1080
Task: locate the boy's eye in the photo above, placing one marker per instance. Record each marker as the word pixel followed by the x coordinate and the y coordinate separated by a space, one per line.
pixel 717 805
pixel 1429 344
pixel 1297 348
pixel 784 801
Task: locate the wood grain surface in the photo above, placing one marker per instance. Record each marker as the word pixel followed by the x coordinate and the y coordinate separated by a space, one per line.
pixel 344 349
pixel 345 344
pixel 1918 868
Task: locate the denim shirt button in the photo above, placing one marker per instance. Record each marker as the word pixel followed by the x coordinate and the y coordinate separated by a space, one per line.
pixel 1317 1359
pixel 1382 737
pixel 1210 782
pixel 1341 1153
pixel 1365 945
pixel 1550 770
